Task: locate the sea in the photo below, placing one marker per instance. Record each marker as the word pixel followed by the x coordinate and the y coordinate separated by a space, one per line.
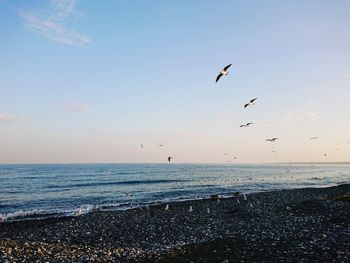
pixel 38 191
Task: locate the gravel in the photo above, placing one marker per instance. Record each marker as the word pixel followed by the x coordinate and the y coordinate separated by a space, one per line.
pixel 279 226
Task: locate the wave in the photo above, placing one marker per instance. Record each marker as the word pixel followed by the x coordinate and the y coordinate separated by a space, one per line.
pixel 118 183
pixel 44 214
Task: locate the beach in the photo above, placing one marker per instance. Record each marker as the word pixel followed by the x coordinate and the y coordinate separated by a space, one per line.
pixel 299 225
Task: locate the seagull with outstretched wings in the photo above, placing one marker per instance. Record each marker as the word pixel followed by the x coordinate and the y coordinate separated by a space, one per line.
pixel 223 72
pixel 250 103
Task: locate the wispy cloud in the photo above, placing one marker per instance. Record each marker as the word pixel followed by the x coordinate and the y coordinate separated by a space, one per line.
pixel 7 117
pixel 52 25
pixel 302 114
pixel 73 107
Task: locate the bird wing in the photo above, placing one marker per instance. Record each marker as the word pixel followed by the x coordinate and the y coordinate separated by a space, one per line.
pixel 253 100
pixel 241 126
pixel 249 123
pixel 245 106
pixel 218 77
pixel 226 68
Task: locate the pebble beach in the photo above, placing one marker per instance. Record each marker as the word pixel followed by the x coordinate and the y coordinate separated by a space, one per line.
pixel 299 225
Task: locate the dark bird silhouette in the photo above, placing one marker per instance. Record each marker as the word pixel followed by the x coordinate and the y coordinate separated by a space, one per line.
pixel 250 103
pixel 246 125
pixel 169 158
pixel 271 140
pixel 223 72
pixel 314 138
pixel 141 145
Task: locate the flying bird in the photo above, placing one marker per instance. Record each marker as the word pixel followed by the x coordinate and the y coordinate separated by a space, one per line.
pixel 271 140
pixel 160 145
pixel 246 125
pixel 169 158
pixel 141 145
pixel 314 138
pixel 274 151
pixel 250 103
pixel 223 72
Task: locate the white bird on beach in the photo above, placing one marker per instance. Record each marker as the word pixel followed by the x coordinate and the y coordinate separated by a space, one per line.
pixel 166 207
pixel 250 103
pixel 246 125
pixel 223 72
pixel 190 209
pixel 271 140
pixel 244 197
pixel 208 210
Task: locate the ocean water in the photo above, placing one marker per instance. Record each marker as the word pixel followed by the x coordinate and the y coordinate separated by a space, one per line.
pixel 53 190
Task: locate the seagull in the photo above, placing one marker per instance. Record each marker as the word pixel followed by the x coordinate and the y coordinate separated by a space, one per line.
pixel 250 103
pixel 246 125
pixel 169 158
pixel 190 209
pixel 314 138
pixel 166 207
pixel 141 145
pixel 235 158
pixel 244 197
pixel 160 145
pixel 274 151
pixel 325 155
pixel 271 140
pixel 223 72
pixel 208 210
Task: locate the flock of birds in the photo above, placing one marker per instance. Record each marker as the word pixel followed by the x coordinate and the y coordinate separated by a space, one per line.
pixel 225 72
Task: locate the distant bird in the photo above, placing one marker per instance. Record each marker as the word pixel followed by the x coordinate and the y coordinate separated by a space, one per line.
pixel 160 145
pixel 314 138
pixel 274 151
pixel 208 210
pixel 169 158
pixel 271 140
pixel 225 153
pixel 250 103
pixel 166 207
pixel 325 155
pixel 190 209
pixel 223 72
pixel 141 145
pixel 235 158
pixel 246 125
pixel 244 197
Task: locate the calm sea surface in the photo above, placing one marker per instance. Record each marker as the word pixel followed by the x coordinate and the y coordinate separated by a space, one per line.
pixel 40 191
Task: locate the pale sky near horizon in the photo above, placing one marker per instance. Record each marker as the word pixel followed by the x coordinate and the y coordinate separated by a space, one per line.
pixel 87 81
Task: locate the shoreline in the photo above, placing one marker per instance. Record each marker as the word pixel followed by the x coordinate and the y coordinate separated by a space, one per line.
pixel 269 226
pixel 39 215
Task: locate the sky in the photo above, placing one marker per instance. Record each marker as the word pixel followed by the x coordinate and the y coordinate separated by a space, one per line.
pixel 83 82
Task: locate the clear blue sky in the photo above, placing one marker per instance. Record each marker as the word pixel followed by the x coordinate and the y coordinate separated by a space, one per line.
pixel 82 81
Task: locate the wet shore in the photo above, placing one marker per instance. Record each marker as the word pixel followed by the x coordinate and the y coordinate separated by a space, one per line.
pixel 300 225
